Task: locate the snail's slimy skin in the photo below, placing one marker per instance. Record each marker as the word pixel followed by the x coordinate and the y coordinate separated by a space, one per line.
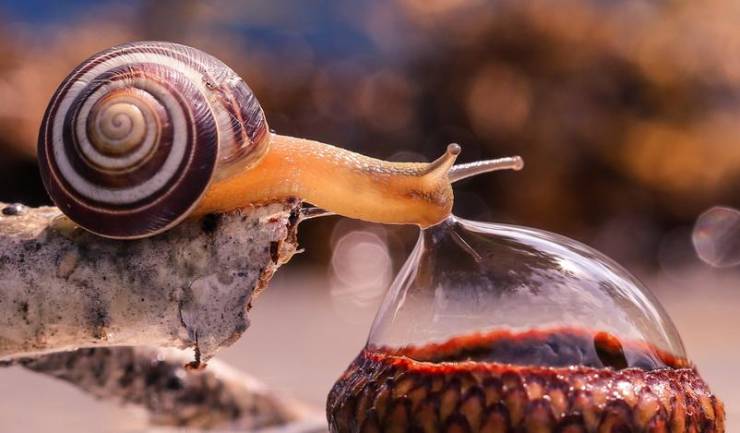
pixel 388 391
pixel 142 135
pixel 344 182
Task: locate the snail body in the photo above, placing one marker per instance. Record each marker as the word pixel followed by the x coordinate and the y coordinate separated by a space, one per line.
pixel 142 135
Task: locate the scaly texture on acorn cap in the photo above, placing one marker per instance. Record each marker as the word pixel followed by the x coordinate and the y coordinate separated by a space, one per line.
pixel 380 393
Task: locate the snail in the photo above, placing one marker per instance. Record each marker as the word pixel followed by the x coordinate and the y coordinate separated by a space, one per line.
pixel 142 135
pixel 495 328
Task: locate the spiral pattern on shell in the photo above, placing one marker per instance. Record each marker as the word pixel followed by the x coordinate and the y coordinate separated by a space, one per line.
pixel 133 137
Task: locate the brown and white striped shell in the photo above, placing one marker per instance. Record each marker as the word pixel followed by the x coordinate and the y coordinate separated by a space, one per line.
pixel 133 137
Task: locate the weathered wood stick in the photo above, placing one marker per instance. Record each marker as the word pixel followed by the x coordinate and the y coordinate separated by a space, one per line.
pixel 216 397
pixel 62 288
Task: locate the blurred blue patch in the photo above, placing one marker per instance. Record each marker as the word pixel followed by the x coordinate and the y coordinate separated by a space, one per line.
pixel 46 11
pixel 321 25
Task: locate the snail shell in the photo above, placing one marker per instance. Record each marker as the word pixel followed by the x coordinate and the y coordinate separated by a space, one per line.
pixel 133 136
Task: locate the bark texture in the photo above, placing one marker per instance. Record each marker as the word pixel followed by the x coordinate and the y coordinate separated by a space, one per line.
pixel 62 288
pixel 216 397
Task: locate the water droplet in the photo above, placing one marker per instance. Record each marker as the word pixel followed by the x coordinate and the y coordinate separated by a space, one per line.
pixel 498 293
pixel 716 237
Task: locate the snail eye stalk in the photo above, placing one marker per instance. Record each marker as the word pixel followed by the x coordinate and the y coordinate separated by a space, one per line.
pixel 464 171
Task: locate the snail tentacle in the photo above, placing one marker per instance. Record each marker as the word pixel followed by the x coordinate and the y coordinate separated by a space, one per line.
pixel 464 171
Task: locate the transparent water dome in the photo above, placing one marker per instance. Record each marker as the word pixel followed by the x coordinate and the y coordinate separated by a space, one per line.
pixel 500 293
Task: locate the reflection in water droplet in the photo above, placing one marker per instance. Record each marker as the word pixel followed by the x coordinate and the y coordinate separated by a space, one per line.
pixel 610 350
pixel 716 237
pixel 499 293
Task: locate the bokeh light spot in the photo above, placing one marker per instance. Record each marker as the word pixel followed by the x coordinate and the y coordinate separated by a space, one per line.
pixel 361 269
pixel 716 237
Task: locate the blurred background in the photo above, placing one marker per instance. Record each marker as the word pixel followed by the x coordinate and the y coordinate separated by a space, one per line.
pixel 627 114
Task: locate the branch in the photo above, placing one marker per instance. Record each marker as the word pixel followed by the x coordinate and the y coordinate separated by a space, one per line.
pixel 62 288
pixel 156 379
